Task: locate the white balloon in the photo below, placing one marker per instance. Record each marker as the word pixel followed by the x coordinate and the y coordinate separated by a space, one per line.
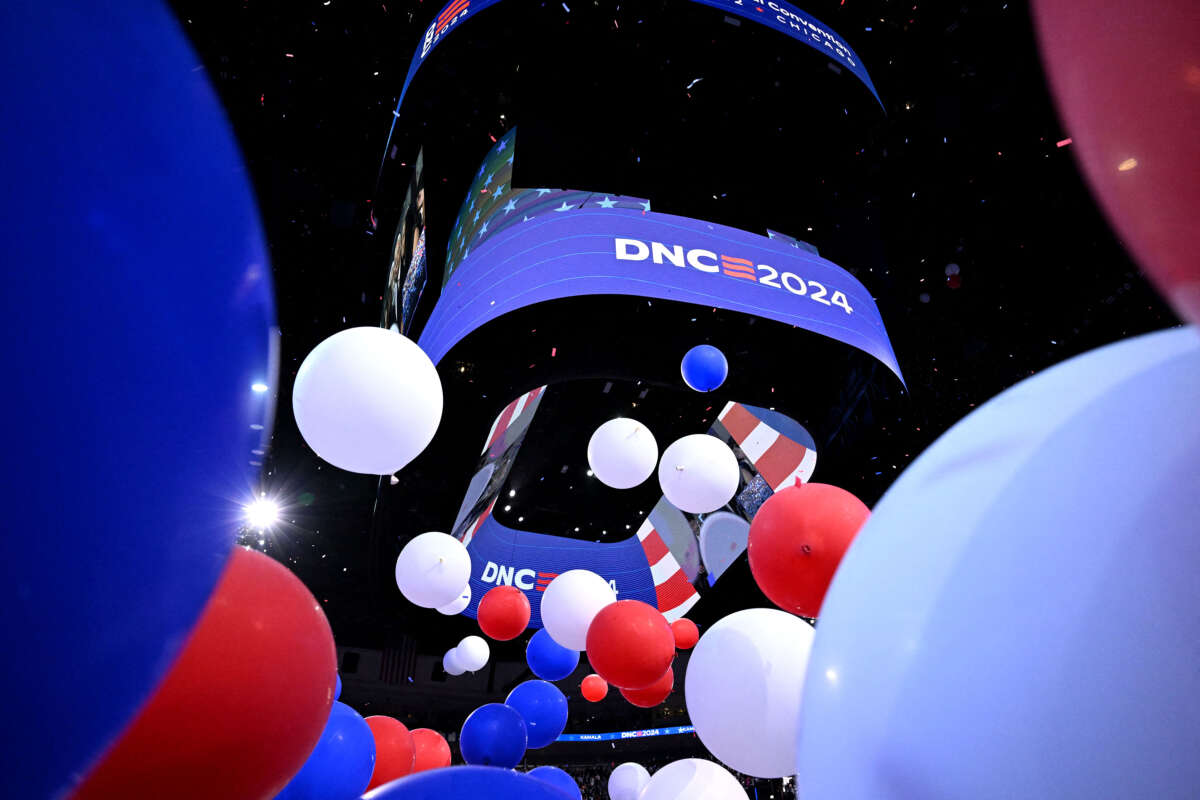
pixel 472 653
pixel 571 602
pixel 723 538
pixel 743 687
pixel 699 473
pixel 367 400
pixel 432 569
pixel 627 781
pixel 457 605
pixel 622 453
pixel 693 779
pixel 450 662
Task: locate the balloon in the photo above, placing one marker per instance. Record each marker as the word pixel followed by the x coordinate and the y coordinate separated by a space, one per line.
pixel 544 709
pixel 548 659
pixel 652 695
pixel 367 400
pixel 699 473
pixel 704 368
pixel 395 751
pixel 472 653
pixel 622 453
pixel 493 735
pixel 743 686
pixel 723 538
pixel 627 781
pixel 468 783
pixel 797 540
pixel 215 708
pixel 503 613
pixel 569 604
pixel 450 662
pixel 558 779
pixel 431 750
pixel 177 309
pixel 337 687
pixel 593 688
pixel 692 779
pixel 341 765
pixel 1127 96
pixel 457 605
pixel 979 603
pixel 630 644
pixel 685 632
pixel 432 570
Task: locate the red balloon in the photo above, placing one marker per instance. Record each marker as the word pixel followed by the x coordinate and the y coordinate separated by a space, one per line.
pixel 432 751
pixel 503 613
pixel 244 704
pixel 594 688
pixel 630 644
pixel 653 694
pixel 1126 75
pixel 686 633
pixel 395 750
pixel 797 540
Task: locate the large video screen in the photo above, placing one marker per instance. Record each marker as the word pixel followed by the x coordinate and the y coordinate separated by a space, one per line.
pixel 409 267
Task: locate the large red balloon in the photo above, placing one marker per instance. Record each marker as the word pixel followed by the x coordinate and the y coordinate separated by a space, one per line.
pixel 797 540
pixel 244 704
pixel 630 644
pixel 686 633
pixel 503 613
pixel 1126 74
pixel 395 752
pixel 594 688
pixel 653 694
pixel 432 751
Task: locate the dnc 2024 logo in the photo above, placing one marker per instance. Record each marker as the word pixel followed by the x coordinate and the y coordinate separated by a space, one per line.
pixel 526 579
pixel 732 266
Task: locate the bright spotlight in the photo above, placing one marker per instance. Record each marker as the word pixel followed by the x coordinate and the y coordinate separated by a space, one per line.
pixel 262 513
pixel 259 387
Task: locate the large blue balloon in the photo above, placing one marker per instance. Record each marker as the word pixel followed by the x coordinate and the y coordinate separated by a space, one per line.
pixel 548 659
pixel 1020 617
pixel 544 709
pixel 558 779
pixel 341 764
pixel 136 315
pixel 467 783
pixel 493 735
pixel 704 368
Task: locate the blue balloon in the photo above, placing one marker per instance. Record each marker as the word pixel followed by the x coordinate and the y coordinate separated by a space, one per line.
pixel 137 312
pixel 548 659
pixel 559 779
pixel 1026 590
pixel 337 687
pixel 493 735
pixel 467 783
pixel 544 709
pixel 341 764
pixel 704 368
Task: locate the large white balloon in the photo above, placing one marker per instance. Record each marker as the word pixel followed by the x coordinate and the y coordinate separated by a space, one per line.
pixel 622 453
pixel 571 602
pixel 743 688
pixel 458 605
pixel 367 400
pixel 627 781
pixel 450 662
pixel 472 653
pixel 1020 617
pixel 699 473
pixel 693 779
pixel 432 569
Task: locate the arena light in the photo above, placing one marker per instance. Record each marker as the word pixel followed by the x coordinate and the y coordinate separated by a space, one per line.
pixel 262 513
pixel 258 387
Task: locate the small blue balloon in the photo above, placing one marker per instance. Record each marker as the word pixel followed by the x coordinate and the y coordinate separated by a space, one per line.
pixel 548 659
pixel 337 687
pixel 704 368
pixel 558 779
pixel 493 735
pixel 544 709
pixel 467 783
pixel 341 764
